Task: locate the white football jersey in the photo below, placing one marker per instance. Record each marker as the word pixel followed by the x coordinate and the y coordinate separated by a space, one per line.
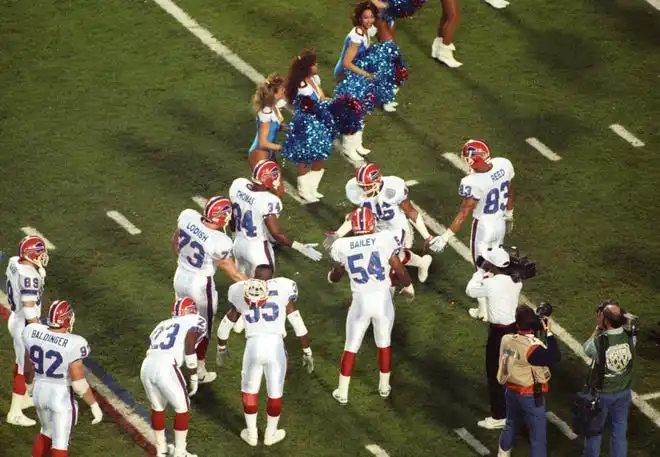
pixel 269 318
pixel 366 258
pixel 24 284
pixel 199 246
pixel 490 188
pixel 250 209
pixel 51 353
pixel 385 205
pixel 169 336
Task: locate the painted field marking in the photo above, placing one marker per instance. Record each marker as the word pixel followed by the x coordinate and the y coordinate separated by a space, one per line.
pixel 543 149
pixel 626 135
pixel 376 450
pixel 411 182
pixel 247 70
pixel 456 161
pixel 561 425
pixel 201 201
pixel 120 219
pixel 654 3
pixel 34 232
pixel 472 441
pixel 651 396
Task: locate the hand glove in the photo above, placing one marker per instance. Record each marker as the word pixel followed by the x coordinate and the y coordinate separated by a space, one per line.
pixel 409 291
pixel 330 238
pixel 194 384
pixel 508 219
pixel 308 361
pixel 436 244
pixel 221 356
pixel 308 250
pixel 97 413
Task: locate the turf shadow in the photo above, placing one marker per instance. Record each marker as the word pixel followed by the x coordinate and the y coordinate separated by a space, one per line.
pixel 207 402
pixel 633 19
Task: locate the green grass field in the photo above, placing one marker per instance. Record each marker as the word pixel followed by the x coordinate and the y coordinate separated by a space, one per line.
pixel 115 106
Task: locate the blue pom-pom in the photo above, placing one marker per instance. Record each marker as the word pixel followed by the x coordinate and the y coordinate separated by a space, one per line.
pixel 402 9
pixel 311 132
pixel 348 113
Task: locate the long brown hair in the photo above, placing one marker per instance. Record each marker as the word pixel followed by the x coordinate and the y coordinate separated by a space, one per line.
pixel 265 93
pixel 356 17
pixel 300 68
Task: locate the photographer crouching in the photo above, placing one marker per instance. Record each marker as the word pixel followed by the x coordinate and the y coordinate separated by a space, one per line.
pixel 524 370
pixel 493 283
pixel 612 349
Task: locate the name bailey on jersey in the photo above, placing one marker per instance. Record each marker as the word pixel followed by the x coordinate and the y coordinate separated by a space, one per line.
pixel 363 243
pixel 49 338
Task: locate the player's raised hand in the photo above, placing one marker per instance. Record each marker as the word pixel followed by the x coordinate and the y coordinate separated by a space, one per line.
pixel 194 385
pixel 436 244
pixel 308 360
pixel 221 356
pixel 308 250
pixel 409 292
pixel 97 413
pixel 330 238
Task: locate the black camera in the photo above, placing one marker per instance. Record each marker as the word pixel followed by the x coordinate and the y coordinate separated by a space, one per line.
pixel 520 266
pixel 543 310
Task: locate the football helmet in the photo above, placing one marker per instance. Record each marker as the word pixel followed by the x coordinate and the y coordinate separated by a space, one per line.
pixel 363 221
pixel 369 178
pixel 255 292
pixel 61 315
pixel 183 306
pixel 218 211
pixel 267 173
pixel 34 250
pixel 475 152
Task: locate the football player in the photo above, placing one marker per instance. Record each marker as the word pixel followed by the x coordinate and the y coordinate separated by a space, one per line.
pixel 487 192
pixel 368 256
pixel 201 246
pixel 54 356
pixel 263 302
pixel 172 343
pixel 25 284
pixel 387 198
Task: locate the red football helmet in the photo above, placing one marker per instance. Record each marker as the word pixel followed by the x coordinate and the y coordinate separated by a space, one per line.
pixel 369 178
pixel 363 221
pixel 267 173
pixel 255 292
pixel 218 211
pixel 61 315
pixel 475 152
pixel 33 249
pixel 183 306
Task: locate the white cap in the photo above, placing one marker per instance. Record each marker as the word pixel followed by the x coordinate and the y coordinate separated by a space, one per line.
pixel 497 256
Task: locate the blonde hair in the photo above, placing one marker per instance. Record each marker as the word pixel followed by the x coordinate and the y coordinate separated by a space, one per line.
pixel 265 93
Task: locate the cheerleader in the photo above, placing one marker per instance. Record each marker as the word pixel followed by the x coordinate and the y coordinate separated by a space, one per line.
pixel 266 103
pixel 443 47
pixel 303 81
pixel 356 44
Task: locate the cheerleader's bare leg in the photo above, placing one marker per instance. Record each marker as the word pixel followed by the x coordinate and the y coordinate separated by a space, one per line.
pixel 443 46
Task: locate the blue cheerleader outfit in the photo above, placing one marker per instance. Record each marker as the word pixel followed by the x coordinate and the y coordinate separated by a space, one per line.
pixel 357 36
pixel 271 115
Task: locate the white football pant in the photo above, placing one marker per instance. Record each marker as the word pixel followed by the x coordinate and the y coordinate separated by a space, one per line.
pixel 57 411
pixel 16 325
pixel 202 290
pixel 250 254
pixel 370 308
pixel 486 233
pixel 264 355
pixel 164 384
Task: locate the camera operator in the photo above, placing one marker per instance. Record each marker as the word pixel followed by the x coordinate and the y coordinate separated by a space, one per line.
pixel 615 338
pixel 524 370
pixel 501 293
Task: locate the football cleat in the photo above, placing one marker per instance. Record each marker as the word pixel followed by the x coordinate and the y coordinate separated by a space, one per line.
pixel 183 306
pixel 341 399
pixel 218 211
pixel 267 173
pixel 20 419
pixel 475 153
pixel 61 315
pixel 370 179
pixel 275 437
pixel 250 438
pixel 423 272
pixel 255 292
pixel 363 221
pixel 34 250
pixel 384 391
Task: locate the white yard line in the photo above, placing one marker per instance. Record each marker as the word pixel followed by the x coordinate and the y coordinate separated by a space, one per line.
pixel 34 232
pixel 120 219
pixel 654 3
pixel 626 135
pixel 472 441
pixel 247 70
pixel 651 396
pixel 201 201
pixel 376 450
pixel 543 149
pixel 456 161
pixel 561 425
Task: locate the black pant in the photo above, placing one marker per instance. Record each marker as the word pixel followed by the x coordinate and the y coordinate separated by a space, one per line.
pixel 495 389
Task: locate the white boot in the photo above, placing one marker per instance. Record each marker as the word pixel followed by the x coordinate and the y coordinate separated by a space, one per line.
pixel 390 107
pixel 444 54
pixel 350 150
pixel 361 149
pixel 305 187
pixel 316 176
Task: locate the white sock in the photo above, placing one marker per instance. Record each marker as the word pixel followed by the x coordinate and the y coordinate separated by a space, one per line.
pixel 16 403
pixel 344 381
pixel 383 380
pixel 251 422
pixel 180 440
pixel 415 260
pixel 161 441
pixel 271 424
pixel 201 366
